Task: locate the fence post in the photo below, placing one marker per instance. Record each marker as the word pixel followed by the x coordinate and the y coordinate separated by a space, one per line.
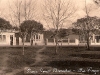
pixel 46 41
pixel 54 41
pixel 68 41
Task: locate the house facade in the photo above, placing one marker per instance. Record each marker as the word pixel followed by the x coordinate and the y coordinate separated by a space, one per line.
pixel 7 38
pixel 74 40
pixel 69 40
pixel 95 39
pixel 12 38
pixel 37 39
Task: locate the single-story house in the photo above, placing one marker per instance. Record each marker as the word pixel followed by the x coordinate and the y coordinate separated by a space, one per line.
pixel 7 37
pixel 72 39
pixel 11 37
pixel 37 39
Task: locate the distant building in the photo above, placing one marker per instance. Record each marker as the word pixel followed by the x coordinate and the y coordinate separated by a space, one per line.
pixel 12 38
pixel 7 37
pixel 72 39
pixel 37 39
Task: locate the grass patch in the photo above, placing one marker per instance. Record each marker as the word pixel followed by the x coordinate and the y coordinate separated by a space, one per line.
pixel 15 59
pixel 73 64
pixel 73 58
pixel 66 52
pixel 65 60
pixel 69 56
pixel 91 56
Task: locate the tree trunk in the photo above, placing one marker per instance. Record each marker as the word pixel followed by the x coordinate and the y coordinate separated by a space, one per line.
pixel 56 45
pixel 56 41
pixel 31 42
pixel 23 46
pixel 61 43
pixel 88 42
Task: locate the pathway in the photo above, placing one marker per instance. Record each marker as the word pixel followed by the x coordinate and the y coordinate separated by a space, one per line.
pixel 4 64
pixel 38 59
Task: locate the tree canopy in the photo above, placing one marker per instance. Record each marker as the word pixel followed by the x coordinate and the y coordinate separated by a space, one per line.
pixel 5 24
pixel 31 25
pixel 87 24
pixel 87 27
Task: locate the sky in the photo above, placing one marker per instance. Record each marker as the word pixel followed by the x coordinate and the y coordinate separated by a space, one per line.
pixel 80 4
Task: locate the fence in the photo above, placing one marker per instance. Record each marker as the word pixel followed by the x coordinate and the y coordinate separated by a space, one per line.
pixel 62 42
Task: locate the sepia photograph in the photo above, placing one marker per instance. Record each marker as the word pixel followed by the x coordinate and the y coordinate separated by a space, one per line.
pixel 49 37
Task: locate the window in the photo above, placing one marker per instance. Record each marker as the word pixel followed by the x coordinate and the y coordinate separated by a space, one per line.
pixel 2 38
pixel 36 36
pixel 65 40
pixel 97 39
pixel 27 38
pixel 33 37
pixel 82 39
pixel 39 37
pixel 50 40
pixel 59 41
pixel 72 40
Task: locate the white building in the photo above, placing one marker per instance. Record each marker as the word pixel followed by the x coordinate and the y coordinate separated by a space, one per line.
pixel 37 39
pixel 7 38
pixel 12 38
pixel 69 40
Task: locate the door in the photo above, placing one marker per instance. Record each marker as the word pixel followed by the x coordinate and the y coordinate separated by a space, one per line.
pixel 11 39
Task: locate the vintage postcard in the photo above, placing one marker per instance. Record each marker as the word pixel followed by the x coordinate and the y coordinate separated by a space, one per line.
pixel 49 37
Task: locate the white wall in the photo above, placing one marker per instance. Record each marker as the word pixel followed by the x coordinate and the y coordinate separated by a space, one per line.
pixel 35 41
pixel 64 43
pixel 74 37
pixel 7 41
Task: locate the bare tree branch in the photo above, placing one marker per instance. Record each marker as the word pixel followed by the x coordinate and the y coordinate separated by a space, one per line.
pixel 57 12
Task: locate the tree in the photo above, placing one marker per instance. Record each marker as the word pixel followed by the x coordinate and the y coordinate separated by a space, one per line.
pixel 21 10
pixel 4 24
pixel 86 27
pixel 62 34
pixel 15 28
pixel 56 13
pixel 31 27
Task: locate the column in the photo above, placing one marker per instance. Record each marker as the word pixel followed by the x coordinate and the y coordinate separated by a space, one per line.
pixel 93 38
pixel 54 40
pixel 46 41
pixel 35 38
pixel 68 41
pixel 38 38
pixel 76 41
pixel 95 41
